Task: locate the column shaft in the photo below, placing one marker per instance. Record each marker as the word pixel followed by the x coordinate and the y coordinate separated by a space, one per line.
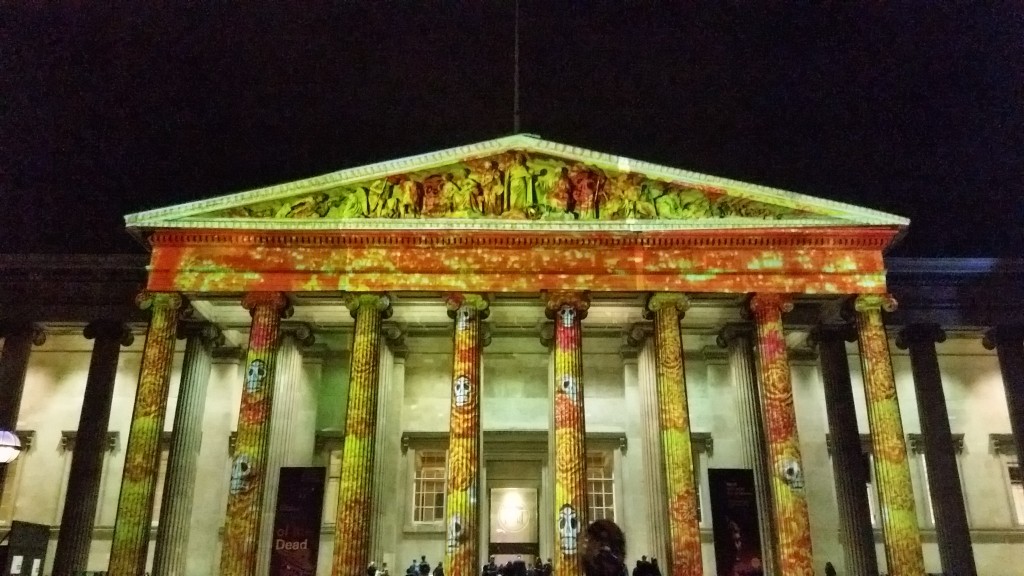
pixel 892 471
pixel 743 370
pixel 951 529
pixel 647 375
pixel 1009 344
pixel 18 341
pixel 353 522
pixel 462 512
pixel 130 544
pixel 847 457
pixel 249 462
pixel 179 485
pixel 568 310
pixel 789 503
pixel 677 451
pixel 80 501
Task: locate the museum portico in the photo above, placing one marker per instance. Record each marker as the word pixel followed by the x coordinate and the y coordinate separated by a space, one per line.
pixel 587 334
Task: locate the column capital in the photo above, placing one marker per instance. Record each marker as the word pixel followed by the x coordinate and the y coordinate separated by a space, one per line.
pixel 393 334
pixel 111 329
pixel 919 334
pixel 874 302
pixel 730 332
pixel 355 301
pixel 823 333
pixel 1003 335
pixel 164 300
pixel 454 301
pixel 274 300
pixel 633 338
pixel 556 300
pixel 660 300
pixel 302 332
pixel 547 334
pixel 761 302
pixel 35 331
pixel 208 333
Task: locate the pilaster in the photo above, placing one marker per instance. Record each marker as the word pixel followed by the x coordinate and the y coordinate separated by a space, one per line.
pixel 462 511
pixel 567 310
pixel 352 532
pixel 82 492
pixel 782 443
pixel 738 339
pixel 848 467
pixel 172 537
pixel 130 543
pixel 1008 341
pixel 684 545
pixel 249 460
pixel 387 518
pixel 900 532
pixel 18 341
pixel 951 528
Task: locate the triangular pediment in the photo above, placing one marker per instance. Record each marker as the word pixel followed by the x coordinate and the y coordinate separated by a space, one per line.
pixel 518 182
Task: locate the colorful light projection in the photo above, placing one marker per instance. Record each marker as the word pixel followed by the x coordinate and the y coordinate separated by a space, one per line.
pixel 683 523
pixel 820 260
pixel 249 462
pixel 789 503
pixel 892 472
pixel 462 512
pixel 567 310
pixel 142 458
pixel 352 524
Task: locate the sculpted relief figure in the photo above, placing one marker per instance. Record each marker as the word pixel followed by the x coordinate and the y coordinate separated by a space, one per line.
pixel 433 196
pixel 680 203
pixel 352 203
pixel 620 197
pixel 586 185
pixel 468 199
pixel 519 193
pixel 492 186
pixel 554 194
pixel 380 200
pixel 409 195
pixel 313 206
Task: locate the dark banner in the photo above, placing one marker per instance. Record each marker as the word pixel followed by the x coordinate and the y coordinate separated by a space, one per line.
pixel 300 501
pixel 734 517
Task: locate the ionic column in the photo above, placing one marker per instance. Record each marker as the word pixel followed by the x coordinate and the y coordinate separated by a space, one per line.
pixel 782 444
pixel 951 529
pixel 79 514
pixel 387 518
pixel 568 309
pixel 462 512
pixel 647 378
pixel 287 383
pixel 847 458
pixel 130 544
pixel 900 533
pixel 249 464
pixel 179 486
pixel 1008 342
pixel 667 310
pixel 18 341
pixel 738 340
pixel 353 522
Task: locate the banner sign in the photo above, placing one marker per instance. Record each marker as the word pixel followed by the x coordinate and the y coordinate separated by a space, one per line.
pixel 734 517
pixel 300 504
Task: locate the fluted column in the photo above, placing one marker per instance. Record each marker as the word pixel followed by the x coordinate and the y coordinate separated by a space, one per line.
pixel 951 529
pixel 18 341
pixel 287 381
pixel 386 481
pixel 82 493
pixel 130 544
pixel 782 443
pixel 353 522
pixel 568 309
pixel 1008 342
pixel 647 377
pixel 847 458
pixel 684 559
pixel 900 532
pixel 462 511
pixel 738 339
pixel 249 464
pixel 179 485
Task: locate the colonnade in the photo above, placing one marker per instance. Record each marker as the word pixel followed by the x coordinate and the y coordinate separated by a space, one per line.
pixel 758 361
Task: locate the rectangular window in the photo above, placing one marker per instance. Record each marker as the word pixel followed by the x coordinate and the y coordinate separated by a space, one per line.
pixel 429 486
pixel 333 485
pixel 600 486
pixel 1016 478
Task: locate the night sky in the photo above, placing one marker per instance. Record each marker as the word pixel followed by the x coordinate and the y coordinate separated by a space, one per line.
pixel 915 108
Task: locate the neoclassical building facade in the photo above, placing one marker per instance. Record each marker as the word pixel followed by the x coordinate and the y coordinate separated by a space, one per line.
pixel 487 347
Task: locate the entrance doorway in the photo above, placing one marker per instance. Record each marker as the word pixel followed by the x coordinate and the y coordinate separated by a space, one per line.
pixel 514 491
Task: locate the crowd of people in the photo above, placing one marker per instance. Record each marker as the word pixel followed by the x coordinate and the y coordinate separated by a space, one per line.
pixel 517 567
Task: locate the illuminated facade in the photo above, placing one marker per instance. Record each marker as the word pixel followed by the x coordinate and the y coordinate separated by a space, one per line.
pixel 587 333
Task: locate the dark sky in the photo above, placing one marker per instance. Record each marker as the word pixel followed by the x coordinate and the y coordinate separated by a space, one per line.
pixel 915 108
